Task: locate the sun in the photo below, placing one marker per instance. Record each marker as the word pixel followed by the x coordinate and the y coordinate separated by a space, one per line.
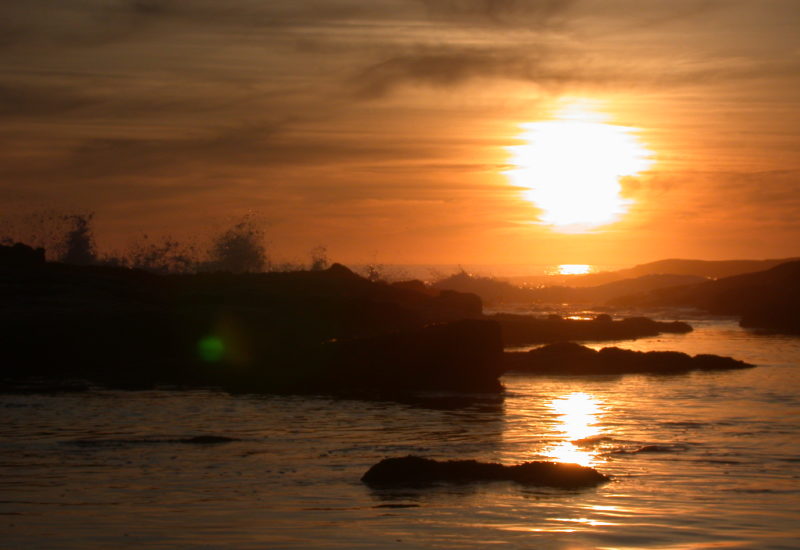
pixel 571 166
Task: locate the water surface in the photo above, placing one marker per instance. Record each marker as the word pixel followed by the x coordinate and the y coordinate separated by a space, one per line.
pixel 704 460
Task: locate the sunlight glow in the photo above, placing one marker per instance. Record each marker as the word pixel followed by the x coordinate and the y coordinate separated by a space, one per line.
pixel 571 168
pixel 579 414
pixel 574 269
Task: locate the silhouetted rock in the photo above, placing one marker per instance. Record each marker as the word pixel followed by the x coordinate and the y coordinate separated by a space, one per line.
pixel 463 355
pixel 21 255
pixel 571 358
pixel 418 471
pixel 328 331
pixel 773 317
pixel 525 329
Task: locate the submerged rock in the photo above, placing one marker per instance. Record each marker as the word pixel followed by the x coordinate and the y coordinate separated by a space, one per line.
pixel 571 358
pixel 415 471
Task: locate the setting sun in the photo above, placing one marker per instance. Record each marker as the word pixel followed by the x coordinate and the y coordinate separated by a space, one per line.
pixel 571 167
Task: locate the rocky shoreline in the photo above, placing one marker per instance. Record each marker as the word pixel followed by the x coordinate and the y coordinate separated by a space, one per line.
pixel 323 332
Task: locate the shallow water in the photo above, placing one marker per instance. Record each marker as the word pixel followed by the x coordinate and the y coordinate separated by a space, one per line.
pixel 115 470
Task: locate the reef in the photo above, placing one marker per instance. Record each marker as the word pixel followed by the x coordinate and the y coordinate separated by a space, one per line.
pixel 414 471
pixel 519 330
pixel 570 358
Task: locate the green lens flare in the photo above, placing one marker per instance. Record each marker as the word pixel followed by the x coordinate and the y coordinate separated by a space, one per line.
pixel 211 349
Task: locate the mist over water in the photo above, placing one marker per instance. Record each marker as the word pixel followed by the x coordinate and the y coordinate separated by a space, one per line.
pixel 699 460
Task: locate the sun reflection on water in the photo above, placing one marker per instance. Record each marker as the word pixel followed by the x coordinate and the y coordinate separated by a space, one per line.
pixel 579 415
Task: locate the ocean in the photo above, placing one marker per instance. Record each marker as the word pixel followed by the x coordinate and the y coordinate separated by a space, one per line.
pixel 702 460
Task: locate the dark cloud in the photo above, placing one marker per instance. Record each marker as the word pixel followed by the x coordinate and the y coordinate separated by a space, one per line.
pixel 83 23
pixel 740 199
pixel 444 66
pixel 240 150
pixel 528 13
pixel 28 100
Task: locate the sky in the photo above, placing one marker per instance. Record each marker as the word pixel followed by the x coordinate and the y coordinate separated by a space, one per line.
pixel 385 130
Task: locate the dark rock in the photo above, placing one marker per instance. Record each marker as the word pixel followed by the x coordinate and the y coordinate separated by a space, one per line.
pixel 571 358
pixel 459 356
pixel 418 471
pixel 525 329
pixel 329 331
pixel 21 255
pixel 781 318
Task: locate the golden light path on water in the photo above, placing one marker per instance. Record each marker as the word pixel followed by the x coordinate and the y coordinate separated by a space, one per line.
pixel 579 418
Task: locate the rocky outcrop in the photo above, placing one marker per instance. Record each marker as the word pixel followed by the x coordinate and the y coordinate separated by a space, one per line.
pixel 571 358
pixel 781 318
pixel 464 356
pixel 418 471
pixel 21 255
pixel 309 331
pixel 519 330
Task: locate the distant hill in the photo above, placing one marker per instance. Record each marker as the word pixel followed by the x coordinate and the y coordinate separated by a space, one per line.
pixel 603 293
pixel 768 299
pixel 698 268
pixel 704 268
pixel 494 291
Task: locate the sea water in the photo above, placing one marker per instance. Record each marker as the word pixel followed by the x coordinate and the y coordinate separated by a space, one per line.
pixel 700 460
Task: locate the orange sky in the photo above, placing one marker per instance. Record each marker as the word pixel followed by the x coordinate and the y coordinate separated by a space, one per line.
pixel 381 129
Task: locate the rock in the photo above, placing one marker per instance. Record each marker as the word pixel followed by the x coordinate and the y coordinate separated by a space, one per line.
pixel 418 471
pixel 571 358
pixel 330 331
pixel 781 318
pixel 463 355
pixel 21 255
pixel 525 329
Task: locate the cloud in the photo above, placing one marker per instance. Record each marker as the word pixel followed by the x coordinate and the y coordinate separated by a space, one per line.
pixel 453 66
pixel 529 13
pixel 86 23
pixel 28 100
pixel 732 200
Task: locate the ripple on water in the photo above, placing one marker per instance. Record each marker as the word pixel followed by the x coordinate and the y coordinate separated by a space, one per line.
pixel 698 461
